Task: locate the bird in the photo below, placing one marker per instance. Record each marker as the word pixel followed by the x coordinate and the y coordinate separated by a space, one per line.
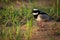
pixel 41 17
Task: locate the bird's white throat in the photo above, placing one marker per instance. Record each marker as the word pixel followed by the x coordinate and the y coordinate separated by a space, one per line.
pixel 35 13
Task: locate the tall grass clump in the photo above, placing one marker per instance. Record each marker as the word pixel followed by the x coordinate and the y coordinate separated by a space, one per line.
pixel 9 16
pixel 10 23
pixel 12 19
pixel 27 14
pixel 29 29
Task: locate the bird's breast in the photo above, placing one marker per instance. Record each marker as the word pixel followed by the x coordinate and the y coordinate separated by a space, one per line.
pixel 42 18
pixel 39 18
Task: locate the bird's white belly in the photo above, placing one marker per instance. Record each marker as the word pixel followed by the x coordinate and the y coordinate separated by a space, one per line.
pixel 39 18
pixel 42 18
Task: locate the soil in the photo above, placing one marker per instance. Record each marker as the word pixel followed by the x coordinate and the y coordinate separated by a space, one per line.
pixel 45 32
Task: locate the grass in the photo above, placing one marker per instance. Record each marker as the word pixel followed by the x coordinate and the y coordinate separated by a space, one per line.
pixel 12 19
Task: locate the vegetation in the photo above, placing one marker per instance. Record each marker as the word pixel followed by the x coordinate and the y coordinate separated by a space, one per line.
pixel 13 16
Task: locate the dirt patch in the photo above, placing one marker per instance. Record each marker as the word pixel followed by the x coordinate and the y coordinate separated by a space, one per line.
pixel 48 32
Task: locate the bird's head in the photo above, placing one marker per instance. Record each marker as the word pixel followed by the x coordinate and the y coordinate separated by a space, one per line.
pixel 35 12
